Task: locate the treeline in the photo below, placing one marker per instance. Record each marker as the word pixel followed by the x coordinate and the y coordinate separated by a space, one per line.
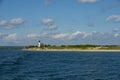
pixel 85 46
pixel 44 45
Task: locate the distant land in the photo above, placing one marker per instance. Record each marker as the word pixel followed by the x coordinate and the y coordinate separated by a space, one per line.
pixel 11 47
pixel 86 47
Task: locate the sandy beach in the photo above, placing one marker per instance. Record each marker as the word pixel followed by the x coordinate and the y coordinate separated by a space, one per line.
pixel 72 50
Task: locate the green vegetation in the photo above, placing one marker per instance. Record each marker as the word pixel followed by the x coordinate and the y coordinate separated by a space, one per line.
pixel 76 47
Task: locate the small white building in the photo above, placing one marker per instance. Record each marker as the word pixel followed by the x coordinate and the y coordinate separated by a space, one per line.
pixel 39 44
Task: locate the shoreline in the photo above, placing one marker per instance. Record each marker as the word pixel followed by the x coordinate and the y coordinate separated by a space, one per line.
pixel 71 50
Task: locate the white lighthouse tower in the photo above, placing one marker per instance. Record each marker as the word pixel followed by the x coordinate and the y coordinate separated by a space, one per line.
pixel 39 44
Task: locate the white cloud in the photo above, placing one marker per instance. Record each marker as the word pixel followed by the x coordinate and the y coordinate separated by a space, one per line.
pixel 3 22
pixel 80 34
pixel 72 35
pixel 116 35
pixel 49 24
pixel 47 21
pixel 16 21
pixel 9 26
pixel 77 37
pixel 116 30
pixel 33 36
pixel 52 27
pixel 116 18
pixel 60 36
pixel 13 23
pixel 44 34
pixel 87 35
pixel 88 1
pixel 10 37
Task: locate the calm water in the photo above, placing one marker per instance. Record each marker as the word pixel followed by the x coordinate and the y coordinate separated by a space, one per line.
pixel 31 65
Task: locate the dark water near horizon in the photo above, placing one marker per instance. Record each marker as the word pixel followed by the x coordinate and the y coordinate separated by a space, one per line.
pixel 33 65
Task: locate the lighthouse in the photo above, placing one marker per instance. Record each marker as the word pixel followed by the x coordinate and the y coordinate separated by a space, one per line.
pixel 39 43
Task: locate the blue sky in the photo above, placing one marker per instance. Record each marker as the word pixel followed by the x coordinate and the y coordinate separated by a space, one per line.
pixel 57 22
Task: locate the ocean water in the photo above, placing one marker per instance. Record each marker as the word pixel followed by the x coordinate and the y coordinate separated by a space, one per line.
pixel 46 65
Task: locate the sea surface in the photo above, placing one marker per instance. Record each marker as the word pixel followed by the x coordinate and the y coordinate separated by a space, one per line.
pixel 16 64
